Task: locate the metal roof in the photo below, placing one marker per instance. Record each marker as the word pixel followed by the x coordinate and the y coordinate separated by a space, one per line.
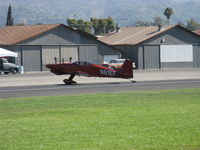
pixel 11 35
pixel 133 35
pixel 197 32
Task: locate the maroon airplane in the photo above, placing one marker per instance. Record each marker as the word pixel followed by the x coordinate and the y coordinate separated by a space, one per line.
pixel 90 69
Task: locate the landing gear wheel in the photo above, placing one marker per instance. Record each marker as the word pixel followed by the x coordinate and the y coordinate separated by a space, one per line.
pixel 69 82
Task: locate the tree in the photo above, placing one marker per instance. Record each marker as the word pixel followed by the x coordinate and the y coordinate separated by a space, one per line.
pixel 10 19
pixel 85 26
pixel 168 12
pixel 192 25
pixel 156 21
pixel 142 23
pixel 110 25
pixel 72 23
pixel 159 21
pixel 100 26
pixel 88 26
pixel 95 25
pixel 103 26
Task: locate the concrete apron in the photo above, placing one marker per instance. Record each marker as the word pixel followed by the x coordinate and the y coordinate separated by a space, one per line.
pixel 46 78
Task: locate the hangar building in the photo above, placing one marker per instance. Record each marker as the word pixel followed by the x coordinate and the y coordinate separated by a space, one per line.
pixel 157 47
pixel 38 45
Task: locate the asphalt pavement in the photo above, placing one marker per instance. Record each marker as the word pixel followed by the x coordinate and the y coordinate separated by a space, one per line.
pixel 46 84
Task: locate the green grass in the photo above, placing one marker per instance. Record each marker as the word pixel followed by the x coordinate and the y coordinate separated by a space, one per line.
pixel 148 120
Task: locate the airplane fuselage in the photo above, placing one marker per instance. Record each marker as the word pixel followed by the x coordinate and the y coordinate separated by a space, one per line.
pixel 89 69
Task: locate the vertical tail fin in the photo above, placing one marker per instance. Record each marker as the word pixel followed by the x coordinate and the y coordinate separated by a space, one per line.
pixel 126 71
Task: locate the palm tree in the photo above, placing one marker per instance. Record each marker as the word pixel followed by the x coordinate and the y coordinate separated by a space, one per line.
pixel 168 12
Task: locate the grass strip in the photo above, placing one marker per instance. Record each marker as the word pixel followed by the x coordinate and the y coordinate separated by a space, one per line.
pixel 166 119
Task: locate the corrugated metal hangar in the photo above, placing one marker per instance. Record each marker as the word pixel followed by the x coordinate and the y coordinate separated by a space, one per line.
pixel 38 45
pixel 157 47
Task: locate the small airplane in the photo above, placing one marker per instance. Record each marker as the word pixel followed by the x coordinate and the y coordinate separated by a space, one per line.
pixel 90 69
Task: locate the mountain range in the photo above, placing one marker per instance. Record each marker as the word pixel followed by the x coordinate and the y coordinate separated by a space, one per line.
pixel 124 12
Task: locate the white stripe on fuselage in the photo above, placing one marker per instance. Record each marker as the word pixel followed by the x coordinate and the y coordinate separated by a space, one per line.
pixel 107 72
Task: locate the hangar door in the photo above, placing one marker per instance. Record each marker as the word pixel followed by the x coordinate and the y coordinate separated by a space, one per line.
pixel 68 52
pixel 196 55
pixel 31 58
pixel 176 56
pixel 49 53
pixel 18 59
pixel 88 53
pixel 151 57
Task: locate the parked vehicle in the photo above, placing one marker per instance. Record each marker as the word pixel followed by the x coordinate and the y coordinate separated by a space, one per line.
pixel 6 67
pixel 116 64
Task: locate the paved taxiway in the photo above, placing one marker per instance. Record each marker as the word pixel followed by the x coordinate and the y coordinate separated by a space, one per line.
pixel 46 84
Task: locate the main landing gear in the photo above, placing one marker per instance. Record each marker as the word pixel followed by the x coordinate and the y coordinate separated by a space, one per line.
pixel 70 80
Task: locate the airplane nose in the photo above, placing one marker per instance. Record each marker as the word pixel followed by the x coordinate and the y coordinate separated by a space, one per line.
pixel 48 66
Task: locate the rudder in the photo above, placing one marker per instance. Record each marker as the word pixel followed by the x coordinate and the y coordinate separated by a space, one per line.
pixel 127 69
